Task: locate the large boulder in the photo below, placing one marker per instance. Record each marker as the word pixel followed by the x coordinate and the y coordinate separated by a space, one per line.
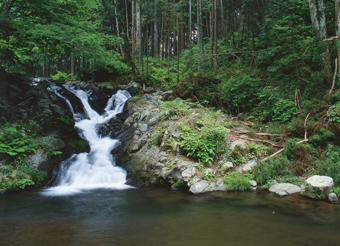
pixel 317 187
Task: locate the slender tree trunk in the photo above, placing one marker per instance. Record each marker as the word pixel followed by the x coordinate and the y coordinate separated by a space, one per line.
pixel 72 62
pixel 140 39
pixel 199 37
pixel 337 30
pixel 117 27
pixel 178 51
pixel 155 32
pixel 190 32
pixel 215 36
pixel 317 14
pixel 127 19
pixel 133 34
pixel 223 28
pixel 212 33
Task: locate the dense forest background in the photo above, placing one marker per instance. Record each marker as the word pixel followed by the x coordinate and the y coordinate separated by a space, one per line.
pixel 268 57
pixel 272 63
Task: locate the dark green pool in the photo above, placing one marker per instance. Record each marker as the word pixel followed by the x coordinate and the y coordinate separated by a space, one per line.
pixel 164 217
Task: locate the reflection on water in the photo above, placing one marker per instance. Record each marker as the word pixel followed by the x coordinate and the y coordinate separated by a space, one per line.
pixel 164 217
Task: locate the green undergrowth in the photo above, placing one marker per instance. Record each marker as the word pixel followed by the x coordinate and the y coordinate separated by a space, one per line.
pixel 300 160
pixel 237 181
pixel 16 142
pixel 203 136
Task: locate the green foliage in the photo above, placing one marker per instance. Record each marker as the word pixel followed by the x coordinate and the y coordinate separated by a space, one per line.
pixel 334 113
pixel 240 154
pixel 175 109
pixel 329 164
pixel 63 77
pixel 336 190
pixel 15 143
pixel 272 169
pixel 203 137
pixel 236 181
pixel 239 93
pixel 323 138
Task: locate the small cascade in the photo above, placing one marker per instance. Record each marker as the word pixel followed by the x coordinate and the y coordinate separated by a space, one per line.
pixel 97 168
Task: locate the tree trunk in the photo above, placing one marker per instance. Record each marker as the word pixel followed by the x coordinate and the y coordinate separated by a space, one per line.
pixel 133 34
pixel 155 32
pixel 337 30
pixel 317 14
pixel 127 19
pixel 215 36
pixel 199 37
pixel 117 27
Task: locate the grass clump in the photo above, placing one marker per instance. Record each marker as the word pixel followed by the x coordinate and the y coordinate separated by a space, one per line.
pixel 237 181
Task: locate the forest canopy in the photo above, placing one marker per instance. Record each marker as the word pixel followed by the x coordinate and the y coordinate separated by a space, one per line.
pixel 244 55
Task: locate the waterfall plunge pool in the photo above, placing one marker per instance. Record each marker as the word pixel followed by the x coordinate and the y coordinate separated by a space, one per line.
pixel 153 216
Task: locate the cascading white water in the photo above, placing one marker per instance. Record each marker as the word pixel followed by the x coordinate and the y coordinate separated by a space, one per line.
pixel 95 169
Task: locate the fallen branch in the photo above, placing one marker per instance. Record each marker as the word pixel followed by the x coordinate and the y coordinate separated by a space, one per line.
pixel 279 151
pixel 302 141
pixel 334 76
pixel 263 141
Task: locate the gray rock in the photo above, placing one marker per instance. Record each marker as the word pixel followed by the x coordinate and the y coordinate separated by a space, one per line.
pixel 143 128
pixel 317 187
pixel 247 167
pixel 241 143
pixel 199 187
pixel 227 166
pixel 253 183
pixel 333 198
pixel 283 189
pixel 175 131
pixel 188 173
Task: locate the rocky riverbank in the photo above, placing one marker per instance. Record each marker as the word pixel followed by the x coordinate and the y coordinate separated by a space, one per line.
pixel 174 143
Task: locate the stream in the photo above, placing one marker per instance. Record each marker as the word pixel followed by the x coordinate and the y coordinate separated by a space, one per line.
pixel 153 216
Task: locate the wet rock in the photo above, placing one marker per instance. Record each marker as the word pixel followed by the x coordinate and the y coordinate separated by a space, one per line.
pixel 333 198
pixel 317 187
pixel 283 189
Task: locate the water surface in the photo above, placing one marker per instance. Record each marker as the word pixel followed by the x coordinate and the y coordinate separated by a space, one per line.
pixel 163 217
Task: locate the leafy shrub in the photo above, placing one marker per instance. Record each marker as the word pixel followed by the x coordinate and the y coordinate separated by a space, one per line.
pixel 329 164
pixel 272 169
pixel 175 109
pixel 334 113
pixel 203 137
pixel 14 142
pixel 236 181
pixel 239 93
pixel 63 77
pixel 272 107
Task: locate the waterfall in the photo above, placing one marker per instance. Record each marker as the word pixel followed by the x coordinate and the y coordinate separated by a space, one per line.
pixel 97 168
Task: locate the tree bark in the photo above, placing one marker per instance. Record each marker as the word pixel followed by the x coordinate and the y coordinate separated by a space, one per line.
pixel 337 30
pixel 317 14
pixel 155 32
pixel 199 37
